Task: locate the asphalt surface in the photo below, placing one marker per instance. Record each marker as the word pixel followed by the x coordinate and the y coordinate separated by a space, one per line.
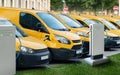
pixel 112 52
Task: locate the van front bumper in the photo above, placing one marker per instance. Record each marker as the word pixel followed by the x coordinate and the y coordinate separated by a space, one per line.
pixel 39 58
pixel 64 54
pixel 112 43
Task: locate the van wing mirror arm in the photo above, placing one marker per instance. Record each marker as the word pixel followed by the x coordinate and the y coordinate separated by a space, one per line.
pixel 47 37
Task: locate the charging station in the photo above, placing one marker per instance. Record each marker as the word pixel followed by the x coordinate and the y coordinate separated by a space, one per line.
pixel 7 50
pixel 96 46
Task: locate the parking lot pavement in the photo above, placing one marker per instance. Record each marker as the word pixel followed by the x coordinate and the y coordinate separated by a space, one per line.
pixel 112 52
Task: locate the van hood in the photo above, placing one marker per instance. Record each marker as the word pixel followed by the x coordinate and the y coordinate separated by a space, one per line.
pixel 84 30
pixel 108 33
pixel 117 32
pixel 68 34
pixel 32 43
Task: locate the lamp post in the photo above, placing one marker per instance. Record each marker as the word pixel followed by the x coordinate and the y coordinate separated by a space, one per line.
pixel 119 7
pixel 64 3
pixel 65 7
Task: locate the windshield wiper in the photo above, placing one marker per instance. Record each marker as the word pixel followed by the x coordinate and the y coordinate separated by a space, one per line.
pixel 63 29
pixel 113 28
pixel 77 27
pixel 83 26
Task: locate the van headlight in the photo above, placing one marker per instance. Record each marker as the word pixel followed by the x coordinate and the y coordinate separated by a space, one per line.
pixel 62 39
pixel 26 50
pixel 81 34
pixel 108 37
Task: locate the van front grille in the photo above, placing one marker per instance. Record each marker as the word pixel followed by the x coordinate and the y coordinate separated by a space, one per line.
pixel 76 41
pixel 76 47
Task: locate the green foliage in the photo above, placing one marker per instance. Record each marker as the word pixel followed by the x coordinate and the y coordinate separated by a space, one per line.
pixel 56 5
pixel 80 5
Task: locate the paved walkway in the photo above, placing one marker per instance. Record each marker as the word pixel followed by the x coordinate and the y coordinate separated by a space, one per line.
pixel 112 52
pixel 106 53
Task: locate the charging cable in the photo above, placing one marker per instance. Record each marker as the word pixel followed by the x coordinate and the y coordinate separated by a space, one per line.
pixel 83 42
pixel 106 33
pixel 18 54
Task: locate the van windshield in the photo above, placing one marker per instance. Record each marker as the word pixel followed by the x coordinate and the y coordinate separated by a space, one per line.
pixel 110 25
pixel 71 22
pixel 100 23
pixel 97 22
pixel 51 21
pixel 118 22
pixel 19 32
pixel 5 22
pixel 88 21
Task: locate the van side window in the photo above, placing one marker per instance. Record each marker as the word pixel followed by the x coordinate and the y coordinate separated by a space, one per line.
pixel 28 21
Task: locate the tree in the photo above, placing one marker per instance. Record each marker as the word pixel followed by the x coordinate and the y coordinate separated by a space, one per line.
pixel 83 5
pixel 56 5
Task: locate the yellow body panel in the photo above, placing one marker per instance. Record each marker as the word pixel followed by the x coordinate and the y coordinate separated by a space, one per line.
pixel 117 17
pixel 117 32
pixel 84 30
pixel 74 30
pixel 80 18
pixel 30 42
pixel 52 43
pixel 112 20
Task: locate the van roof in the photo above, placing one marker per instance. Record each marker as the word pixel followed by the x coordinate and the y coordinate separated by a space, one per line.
pixel 110 18
pixel 23 9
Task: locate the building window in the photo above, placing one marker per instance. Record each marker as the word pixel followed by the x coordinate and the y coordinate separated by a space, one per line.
pixel 19 3
pixel 39 5
pixel 45 4
pixel 32 4
pixel 2 2
pixel 11 3
pixel 26 2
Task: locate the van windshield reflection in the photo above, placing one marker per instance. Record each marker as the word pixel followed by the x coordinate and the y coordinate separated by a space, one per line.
pixel 71 22
pixel 52 22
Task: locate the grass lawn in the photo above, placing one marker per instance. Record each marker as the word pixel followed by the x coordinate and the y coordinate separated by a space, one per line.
pixel 112 68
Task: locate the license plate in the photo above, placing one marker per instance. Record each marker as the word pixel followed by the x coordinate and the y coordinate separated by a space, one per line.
pixel 78 51
pixel 44 57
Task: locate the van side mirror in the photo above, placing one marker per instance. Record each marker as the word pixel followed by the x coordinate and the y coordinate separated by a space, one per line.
pixel 39 27
pixel 47 37
pixel 105 28
pixel 69 30
pixel 16 36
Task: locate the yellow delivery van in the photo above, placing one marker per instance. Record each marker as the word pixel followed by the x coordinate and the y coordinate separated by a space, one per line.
pixel 30 52
pixel 114 21
pixel 77 28
pixel 111 31
pixel 42 25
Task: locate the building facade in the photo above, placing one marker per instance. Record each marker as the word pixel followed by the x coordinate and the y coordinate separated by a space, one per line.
pixel 28 4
